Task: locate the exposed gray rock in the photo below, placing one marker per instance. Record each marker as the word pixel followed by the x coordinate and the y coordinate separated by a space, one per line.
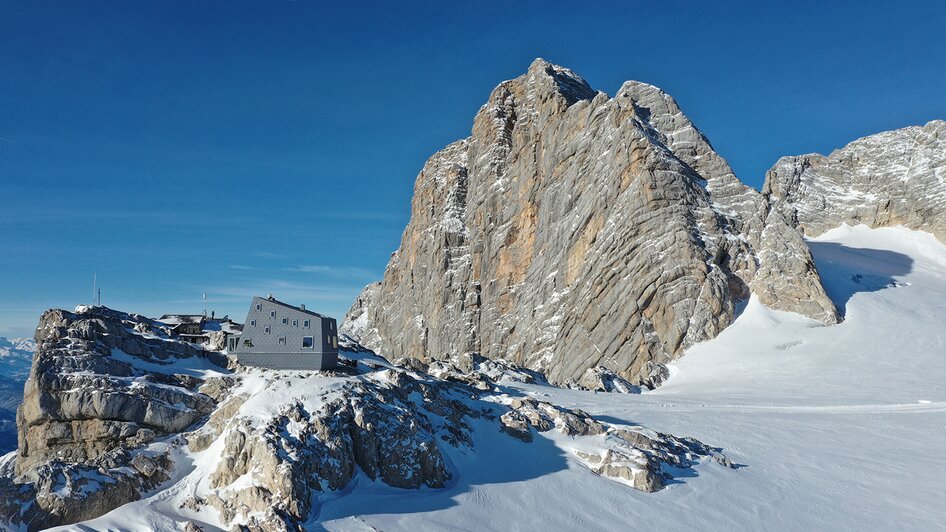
pixel 374 424
pixel 891 178
pixel 275 440
pixel 103 388
pixel 601 379
pixel 572 230
pixel 630 454
pixel 82 400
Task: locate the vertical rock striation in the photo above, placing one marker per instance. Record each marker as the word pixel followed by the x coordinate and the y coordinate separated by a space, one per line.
pixel 572 230
pixel 891 178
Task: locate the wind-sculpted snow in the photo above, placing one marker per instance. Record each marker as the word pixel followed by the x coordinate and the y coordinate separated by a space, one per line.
pixel 888 179
pixel 572 230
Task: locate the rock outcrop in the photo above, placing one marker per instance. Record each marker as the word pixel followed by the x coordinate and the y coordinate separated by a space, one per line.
pixel 268 467
pixel 891 178
pixel 629 454
pixel 116 410
pixel 103 390
pixel 572 230
pixel 91 388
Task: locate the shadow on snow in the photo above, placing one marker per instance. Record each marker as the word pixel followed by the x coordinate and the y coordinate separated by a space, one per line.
pixel 846 271
pixel 496 458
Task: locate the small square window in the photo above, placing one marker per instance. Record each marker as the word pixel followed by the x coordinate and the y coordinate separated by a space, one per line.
pixel 295 323
pixel 267 329
pixel 282 340
pixel 307 342
pixel 248 343
pixel 252 323
pixel 272 314
pixel 285 320
pixel 305 324
pixel 259 307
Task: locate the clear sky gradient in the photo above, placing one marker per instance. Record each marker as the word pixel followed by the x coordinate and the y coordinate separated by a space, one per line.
pixel 240 148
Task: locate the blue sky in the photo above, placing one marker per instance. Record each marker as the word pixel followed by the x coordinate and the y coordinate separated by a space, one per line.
pixel 239 148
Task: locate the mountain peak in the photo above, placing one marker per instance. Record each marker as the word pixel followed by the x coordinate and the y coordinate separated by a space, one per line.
pixel 512 230
pixel 567 82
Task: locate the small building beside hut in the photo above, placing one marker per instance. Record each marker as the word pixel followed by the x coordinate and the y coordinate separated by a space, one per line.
pixel 210 332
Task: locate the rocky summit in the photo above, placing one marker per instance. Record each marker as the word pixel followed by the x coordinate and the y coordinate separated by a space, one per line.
pixel 888 179
pixel 573 231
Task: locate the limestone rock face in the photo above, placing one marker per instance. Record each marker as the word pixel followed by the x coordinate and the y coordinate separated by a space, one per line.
pixel 572 230
pixel 104 388
pixel 83 398
pixel 315 445
pixel 891 178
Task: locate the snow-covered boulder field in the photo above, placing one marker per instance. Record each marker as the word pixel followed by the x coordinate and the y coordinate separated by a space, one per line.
pixel 126 427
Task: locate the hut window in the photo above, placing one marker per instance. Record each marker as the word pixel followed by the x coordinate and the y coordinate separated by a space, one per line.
pixel 307 341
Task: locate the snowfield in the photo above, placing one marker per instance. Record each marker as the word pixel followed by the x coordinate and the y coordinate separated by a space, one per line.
pixel 834 428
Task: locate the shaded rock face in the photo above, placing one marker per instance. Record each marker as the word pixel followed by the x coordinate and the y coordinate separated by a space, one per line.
pixel 891 178
pixel 572 230
pixel 91 416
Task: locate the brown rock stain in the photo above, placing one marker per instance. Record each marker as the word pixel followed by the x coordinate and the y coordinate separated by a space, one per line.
pixel 576 255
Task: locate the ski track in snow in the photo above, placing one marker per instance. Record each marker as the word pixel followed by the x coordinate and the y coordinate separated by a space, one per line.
pixel 833 428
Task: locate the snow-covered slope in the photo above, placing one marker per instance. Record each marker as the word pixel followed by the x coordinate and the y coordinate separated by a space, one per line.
pixel 836 427
pixel 839 428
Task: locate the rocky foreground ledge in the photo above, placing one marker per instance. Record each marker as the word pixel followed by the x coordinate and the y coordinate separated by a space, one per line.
pixel 115 411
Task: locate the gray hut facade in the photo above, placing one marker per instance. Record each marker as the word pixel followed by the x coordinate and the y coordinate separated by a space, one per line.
pixel 277 335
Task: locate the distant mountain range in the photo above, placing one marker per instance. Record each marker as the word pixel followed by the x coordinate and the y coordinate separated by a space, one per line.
pixel 16 357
